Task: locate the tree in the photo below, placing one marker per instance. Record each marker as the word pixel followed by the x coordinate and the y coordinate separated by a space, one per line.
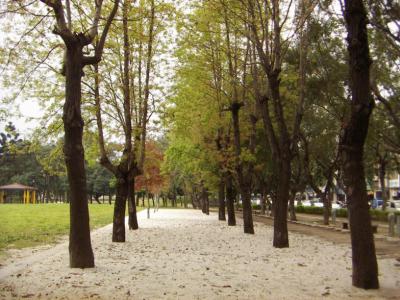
pixel 266 23
pixel 325 109
pixel 98 182
pixel 152 181
pixel 365 268
pixel 80 248
pixel 125 97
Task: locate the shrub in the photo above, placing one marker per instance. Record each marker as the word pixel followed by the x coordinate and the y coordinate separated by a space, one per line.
pixel 313 210
pixel 376 215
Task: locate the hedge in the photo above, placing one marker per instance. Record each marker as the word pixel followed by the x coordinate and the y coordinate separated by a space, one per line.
pixel 376 215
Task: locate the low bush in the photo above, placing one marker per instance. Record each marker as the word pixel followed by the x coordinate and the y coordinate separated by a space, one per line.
pixel 376 215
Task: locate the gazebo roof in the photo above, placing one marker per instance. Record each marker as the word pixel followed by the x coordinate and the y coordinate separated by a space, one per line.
pixel 17 186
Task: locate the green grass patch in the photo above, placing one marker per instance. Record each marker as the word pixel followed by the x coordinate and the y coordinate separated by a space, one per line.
pixel 23 225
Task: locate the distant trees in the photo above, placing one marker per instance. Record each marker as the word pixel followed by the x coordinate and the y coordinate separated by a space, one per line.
pixel 98 182
pixel 31 163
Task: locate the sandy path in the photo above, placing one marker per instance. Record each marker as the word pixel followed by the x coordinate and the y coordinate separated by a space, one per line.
pixel 182 254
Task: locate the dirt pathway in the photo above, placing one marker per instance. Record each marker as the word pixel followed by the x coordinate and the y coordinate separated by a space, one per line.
pixel 384 247
pixel 183 254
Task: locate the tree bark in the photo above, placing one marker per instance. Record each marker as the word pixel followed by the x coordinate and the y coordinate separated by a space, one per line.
pixel 204 201
pixel 292 208
pixel 132 221
pixel 244 185
pixel 365 268
pixel 230 199
pixel 80 248
pixel 327 199
pixel 382 176
pixel 281 237
pixel 280 206
pixel 122 190
pixel 221 201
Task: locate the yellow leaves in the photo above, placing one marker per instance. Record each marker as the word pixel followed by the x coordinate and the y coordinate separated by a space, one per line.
pixel 246 156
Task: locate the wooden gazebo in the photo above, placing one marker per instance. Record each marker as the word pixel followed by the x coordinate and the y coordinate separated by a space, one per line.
pixel 29 193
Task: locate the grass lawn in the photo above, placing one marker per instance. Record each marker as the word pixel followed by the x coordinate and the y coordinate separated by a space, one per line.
pixel 23 225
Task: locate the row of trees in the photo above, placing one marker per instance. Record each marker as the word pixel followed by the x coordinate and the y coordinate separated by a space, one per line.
pixel 261 101
pixel 42 166
pixel 268 100
pixel 110 54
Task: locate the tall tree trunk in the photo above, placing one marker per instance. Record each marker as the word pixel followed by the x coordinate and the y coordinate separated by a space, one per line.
pixel 230 199
pixel 263 202
pixel 247 209
pixel 365 268
pixel 132 221
pixel 221 201
pixel 244 185
pixel 280 205
pixel 204 201
pixel 382 176
pixel 137 199
pixel 80 247
pixel 292 208
pixel 194 202
pixel 122 187
pixel 327 200
pixel 281 237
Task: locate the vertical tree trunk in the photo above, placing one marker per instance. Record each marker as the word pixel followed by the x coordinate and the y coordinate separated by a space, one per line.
pixel 137 199
pixel 221 201
pixel 230 200
pixel 122 187
pixel 194 202
pixel 207 203
pixel 365 268
pixel 382 176
pixel 132 221
pixel 244 185
pixel 263 203
pixel 204 200
pixel 327 200
pixel 80 248
pixel 292 208
pixel 247 209
pixel 280 205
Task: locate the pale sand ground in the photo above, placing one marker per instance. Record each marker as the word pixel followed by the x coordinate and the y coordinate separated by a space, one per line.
pixel 183 254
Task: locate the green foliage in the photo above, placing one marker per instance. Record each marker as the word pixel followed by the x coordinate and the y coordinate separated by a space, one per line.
pixel 376 215
pixel 98 181
pixel 310 210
